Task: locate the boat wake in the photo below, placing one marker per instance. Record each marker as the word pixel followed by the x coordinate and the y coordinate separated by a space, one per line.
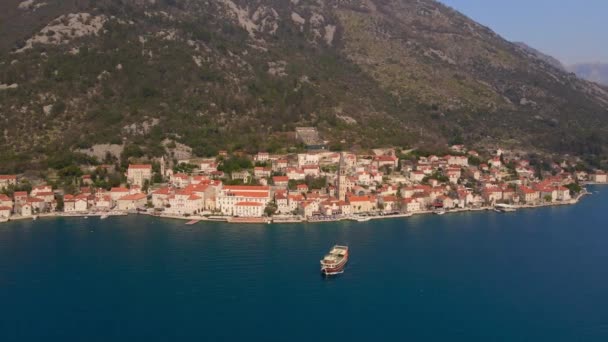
pixel 329 275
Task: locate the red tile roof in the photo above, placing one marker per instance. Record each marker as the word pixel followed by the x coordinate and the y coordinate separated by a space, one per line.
pixel 162 191
pixel 246 188
pixel 296 198
pixel 527 190
pixel 34 199
pixel 140 166
pixel 260 194
pixel 385 158
pixel 360 199
pixel 134 197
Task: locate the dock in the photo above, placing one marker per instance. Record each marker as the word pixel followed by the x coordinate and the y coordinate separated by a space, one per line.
pixel 247 220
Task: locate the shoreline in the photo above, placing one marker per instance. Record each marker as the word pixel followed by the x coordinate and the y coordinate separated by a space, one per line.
pixel 294 219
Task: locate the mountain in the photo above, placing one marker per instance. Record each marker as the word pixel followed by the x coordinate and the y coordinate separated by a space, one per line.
pixel 151 77
pixel 542 56
pixel 594 72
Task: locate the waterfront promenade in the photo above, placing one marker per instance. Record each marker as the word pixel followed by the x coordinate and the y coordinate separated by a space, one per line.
pixel 296 218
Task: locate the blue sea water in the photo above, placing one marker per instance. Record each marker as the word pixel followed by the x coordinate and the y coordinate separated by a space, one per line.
pixel 534 275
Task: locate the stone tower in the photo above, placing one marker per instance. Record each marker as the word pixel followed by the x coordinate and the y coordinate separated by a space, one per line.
pixel 341 182
pixel 162 166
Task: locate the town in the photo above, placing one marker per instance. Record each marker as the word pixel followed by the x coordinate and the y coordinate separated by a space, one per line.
pixel 315 185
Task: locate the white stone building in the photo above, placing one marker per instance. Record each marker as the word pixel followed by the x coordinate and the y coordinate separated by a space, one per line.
pixel 137 174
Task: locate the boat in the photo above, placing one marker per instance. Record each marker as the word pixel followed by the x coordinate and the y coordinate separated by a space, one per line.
pixel 363 219
pixel 335 261
pixel 104 216
pixel 34 217
pixel 504 208
pixel 439 212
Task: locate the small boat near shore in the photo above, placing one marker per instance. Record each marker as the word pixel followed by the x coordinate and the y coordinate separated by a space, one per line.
pixel 439 212
pixel 504 208
pixel 334 262
pixel 104 216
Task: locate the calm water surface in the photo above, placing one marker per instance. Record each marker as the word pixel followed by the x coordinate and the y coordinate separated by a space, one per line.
pixel 535 275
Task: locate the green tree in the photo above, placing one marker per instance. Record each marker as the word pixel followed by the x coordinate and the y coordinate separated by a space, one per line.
pixel 475 161
pixel 235 163
pixel 270 209
pixel 157 178
pixel 60 204
pixel 315 183
pixel 574 188
pixel 146 186
pixel 292 184
pixel 184 168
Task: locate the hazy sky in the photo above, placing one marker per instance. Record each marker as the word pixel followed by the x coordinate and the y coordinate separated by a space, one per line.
pixel 573 31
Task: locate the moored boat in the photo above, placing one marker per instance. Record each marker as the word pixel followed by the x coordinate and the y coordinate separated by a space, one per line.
pixel 505 208
pixel 335 261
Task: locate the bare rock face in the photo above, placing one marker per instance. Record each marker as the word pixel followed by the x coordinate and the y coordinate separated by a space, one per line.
pixel 243 74
pixel 66 28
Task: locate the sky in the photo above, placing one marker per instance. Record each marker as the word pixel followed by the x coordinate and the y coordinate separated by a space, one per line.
pixel 573 31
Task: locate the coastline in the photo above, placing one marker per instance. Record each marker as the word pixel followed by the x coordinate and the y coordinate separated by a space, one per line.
pixel 193 220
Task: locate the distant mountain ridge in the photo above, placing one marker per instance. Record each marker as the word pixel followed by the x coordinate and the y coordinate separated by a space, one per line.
pixel 242 74
pixel 594 72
